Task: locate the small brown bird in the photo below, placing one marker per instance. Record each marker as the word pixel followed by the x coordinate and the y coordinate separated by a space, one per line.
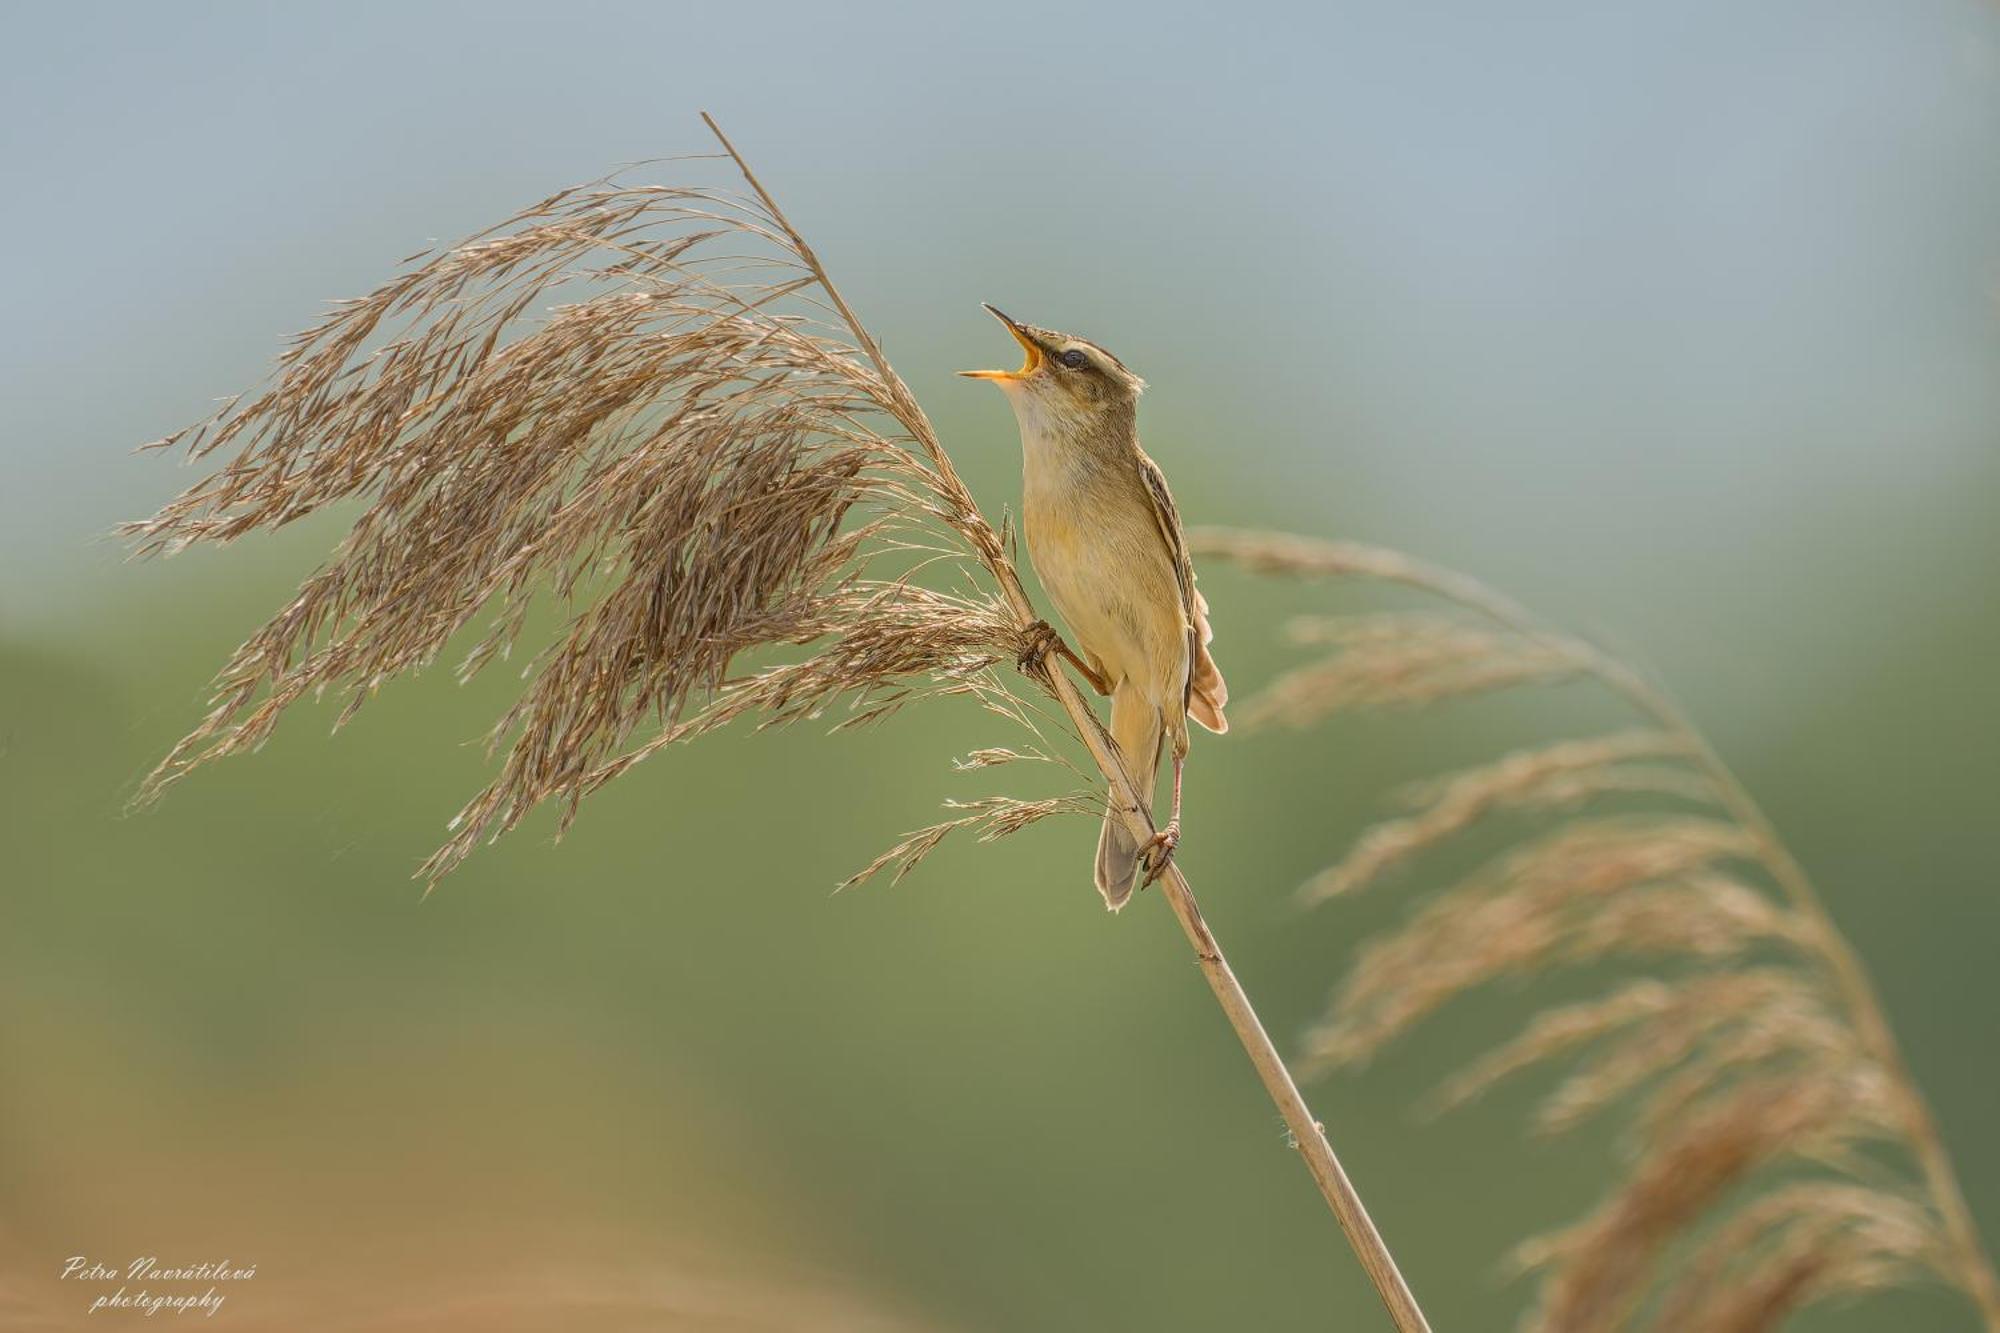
pixel 1107 542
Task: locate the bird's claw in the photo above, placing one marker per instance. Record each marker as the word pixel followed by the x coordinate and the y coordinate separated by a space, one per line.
pixel 1158 851
pixel 1039 642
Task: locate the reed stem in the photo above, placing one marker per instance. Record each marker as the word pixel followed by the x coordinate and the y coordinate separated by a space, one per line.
pixel 1306 1132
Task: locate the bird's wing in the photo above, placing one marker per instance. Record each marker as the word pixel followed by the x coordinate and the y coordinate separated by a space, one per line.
pixel 1169 520
pixel 1205 693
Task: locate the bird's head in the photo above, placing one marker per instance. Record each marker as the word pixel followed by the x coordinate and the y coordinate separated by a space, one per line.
pixel 1063 378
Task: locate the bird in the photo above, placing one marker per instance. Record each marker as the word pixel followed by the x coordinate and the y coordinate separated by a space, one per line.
pixel 1107 543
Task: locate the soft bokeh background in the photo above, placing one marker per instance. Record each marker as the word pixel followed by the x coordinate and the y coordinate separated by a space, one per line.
pixel 1676 320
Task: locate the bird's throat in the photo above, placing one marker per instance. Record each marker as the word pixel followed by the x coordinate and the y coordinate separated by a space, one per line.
pixel 1060 446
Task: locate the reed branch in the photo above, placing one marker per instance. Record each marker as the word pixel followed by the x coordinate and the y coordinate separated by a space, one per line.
pixel 1306 1132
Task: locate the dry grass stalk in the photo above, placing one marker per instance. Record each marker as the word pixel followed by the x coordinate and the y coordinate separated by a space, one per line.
pixel 702 453
pixel 1752 1053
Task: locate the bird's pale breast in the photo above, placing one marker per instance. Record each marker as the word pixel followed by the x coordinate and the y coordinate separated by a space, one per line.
pixel 1097 548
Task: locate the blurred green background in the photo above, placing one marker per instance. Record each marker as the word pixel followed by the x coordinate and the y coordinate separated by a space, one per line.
pixel 1676 321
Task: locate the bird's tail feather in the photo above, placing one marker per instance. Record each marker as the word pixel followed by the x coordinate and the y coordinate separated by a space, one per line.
pixel 1135 725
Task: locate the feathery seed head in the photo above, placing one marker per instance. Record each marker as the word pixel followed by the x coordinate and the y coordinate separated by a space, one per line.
pixel 1752 1079
pixel 647 401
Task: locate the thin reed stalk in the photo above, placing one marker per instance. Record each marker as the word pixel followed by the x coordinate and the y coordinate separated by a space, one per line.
pixel 1307 1133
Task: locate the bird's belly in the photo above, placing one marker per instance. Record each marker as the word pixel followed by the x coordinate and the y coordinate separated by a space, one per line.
pixel 1111 582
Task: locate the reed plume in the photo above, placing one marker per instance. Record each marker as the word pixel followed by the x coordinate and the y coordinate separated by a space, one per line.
pixel 687 466
pixel 702 464
pixel 1778 1152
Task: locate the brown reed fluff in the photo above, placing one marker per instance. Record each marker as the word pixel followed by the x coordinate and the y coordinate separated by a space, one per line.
pixel 698 455
pixel 693 467
pixel 1779 1153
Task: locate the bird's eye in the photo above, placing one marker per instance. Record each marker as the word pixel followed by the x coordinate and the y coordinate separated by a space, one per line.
pixel 1074 358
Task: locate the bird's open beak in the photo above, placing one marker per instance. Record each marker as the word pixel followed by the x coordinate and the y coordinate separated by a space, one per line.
pixel 1028 345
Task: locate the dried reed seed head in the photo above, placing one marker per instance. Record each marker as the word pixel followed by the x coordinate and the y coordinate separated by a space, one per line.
pixel 1596 1272
pixel 1724 1026
pixel 1801 1243
pixel 1548 777
pixel 991 818
pixel 1739 1073
pixel 1405 660
pixel 1709 917
pixel 993 757
pixel 1517 914
pixel 682 453
pixel 1792 1035
pixel 1300 557
pixel 1280 553
pixel 1669 1018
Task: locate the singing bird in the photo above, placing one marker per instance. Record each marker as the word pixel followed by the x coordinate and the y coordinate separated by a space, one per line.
pixel 1105 538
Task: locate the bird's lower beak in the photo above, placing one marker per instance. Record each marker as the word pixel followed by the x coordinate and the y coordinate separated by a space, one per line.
pixel 1028 345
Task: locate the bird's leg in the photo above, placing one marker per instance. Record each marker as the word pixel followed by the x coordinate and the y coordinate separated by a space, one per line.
pixel 1095 678
pixel 1039 641
pixel 1159 849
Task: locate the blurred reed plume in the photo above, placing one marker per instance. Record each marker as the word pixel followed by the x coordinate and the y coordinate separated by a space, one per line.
pixel 701 463
pixel 1779 1153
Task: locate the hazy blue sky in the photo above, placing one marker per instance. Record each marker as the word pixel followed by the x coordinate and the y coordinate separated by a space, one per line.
pixel 1611 301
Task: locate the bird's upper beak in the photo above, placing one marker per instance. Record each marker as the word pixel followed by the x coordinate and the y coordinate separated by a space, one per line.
pixel 1033 349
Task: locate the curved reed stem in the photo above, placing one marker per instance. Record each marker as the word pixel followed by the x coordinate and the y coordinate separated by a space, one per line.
pixel 1307 1133
pixel 1828 947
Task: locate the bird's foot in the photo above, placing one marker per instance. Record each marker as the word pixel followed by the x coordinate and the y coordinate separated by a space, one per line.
pixel 1039 642
pixel 1158 851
